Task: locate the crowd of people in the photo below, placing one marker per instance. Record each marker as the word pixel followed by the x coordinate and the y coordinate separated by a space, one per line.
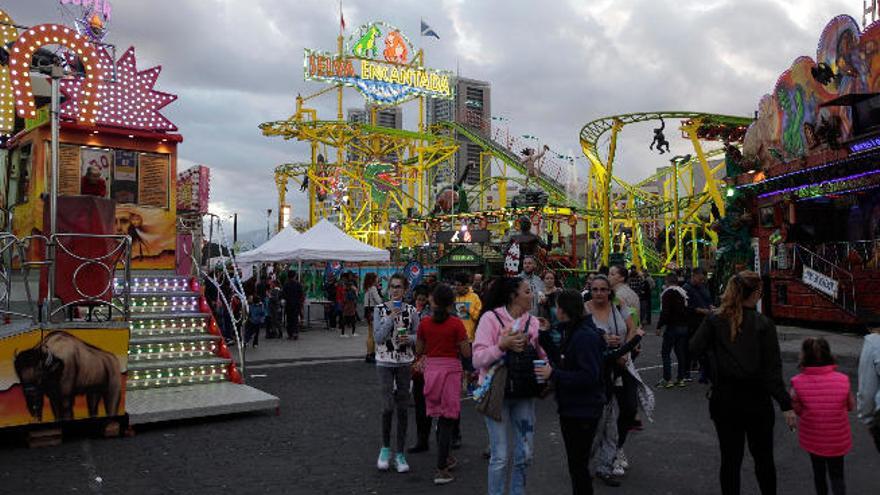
pixel 528 338
pixel 508 341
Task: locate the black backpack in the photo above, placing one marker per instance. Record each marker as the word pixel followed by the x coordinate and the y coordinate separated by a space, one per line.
pixel 521 380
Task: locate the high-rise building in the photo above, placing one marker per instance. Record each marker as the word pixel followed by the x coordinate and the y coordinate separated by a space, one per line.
pixel 473 107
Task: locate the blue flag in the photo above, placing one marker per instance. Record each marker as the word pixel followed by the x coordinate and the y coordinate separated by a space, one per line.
pixel 427 31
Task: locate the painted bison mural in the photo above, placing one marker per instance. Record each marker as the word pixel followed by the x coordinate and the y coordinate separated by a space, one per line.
pixel 62 367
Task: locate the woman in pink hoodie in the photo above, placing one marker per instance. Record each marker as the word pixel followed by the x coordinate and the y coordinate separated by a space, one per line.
pixel 506 327
pixel 821 398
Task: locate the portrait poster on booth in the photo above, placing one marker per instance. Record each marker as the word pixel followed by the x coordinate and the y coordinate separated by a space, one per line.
pixel 68 170
pixel 95 160
pixel 125 177
pixel 153 180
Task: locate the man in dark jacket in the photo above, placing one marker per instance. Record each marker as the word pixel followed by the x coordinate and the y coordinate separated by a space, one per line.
pixel 674 316
pixel 293 303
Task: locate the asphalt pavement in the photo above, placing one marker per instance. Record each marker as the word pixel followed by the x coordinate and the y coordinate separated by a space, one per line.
pixel 326 438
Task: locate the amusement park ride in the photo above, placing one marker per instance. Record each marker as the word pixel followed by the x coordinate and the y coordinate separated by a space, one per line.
pixel 381 183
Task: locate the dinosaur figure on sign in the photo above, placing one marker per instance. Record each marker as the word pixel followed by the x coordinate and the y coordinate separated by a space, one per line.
pixel 366 45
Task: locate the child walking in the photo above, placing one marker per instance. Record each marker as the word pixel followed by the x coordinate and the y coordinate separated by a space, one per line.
pixel 349 308
pixel 821 398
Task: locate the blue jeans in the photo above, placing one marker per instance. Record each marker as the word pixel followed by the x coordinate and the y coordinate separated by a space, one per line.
pixel 675 338
pixel 517 426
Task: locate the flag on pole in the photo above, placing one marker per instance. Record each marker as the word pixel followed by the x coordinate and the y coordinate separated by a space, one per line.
pixel 341 17
pixel 427 31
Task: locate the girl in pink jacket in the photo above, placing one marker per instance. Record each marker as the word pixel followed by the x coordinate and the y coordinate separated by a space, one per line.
pixel 822 399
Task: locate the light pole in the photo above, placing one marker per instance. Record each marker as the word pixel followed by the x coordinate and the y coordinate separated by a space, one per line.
pixel 268 219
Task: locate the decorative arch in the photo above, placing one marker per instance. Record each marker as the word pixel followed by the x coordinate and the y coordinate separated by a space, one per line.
pixel 7 102
pixel 54 34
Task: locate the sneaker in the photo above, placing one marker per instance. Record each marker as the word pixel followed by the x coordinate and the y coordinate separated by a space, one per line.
pixel 442 477
pixel 668 384
pixel 417 448
pixel 400 462
pixel 622 459
pixel 354 334
pixel 617 470
pixel 608 479
pixel 384 459
pixel 681 383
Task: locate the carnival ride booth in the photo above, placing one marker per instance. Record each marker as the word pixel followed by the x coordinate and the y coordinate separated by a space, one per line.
pixel 90 189
pixel 807 199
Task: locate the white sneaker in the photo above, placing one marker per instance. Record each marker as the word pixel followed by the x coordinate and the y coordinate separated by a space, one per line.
pixel 618 469
pixel 400 461
pixel 621 458
pixel 354 334
pixel 384 459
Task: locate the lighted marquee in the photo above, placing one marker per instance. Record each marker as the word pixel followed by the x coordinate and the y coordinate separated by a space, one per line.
pixel 8 35
pixel 378 63
pixel 130 101
pixel 54 34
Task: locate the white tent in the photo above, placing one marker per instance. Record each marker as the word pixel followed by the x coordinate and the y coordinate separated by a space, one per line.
pixel 325 242
pixel 278 248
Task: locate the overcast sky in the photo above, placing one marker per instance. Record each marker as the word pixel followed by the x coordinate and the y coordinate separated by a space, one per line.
pixel 553 65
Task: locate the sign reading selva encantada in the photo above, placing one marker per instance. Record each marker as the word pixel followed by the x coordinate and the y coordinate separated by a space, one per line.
pixel 377 61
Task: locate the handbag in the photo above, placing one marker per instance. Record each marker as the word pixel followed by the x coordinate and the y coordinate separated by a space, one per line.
pixel 491 401
pixel 521 381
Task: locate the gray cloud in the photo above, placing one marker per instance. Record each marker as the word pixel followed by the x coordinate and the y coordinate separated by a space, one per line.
pixel 554 66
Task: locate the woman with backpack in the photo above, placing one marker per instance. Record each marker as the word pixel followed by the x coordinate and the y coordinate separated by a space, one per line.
pixel 626 391
pixel 508 334
pixel 442 339
pixel 745 369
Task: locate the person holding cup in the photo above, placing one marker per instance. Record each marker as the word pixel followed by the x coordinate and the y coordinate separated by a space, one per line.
pixel 505 328
pixel 395 324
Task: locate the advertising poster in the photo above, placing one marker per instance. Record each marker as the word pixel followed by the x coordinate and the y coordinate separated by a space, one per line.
pixel 32 367
pixel 153 180
pixel 125 180
pixel 68 169
pixel 95 171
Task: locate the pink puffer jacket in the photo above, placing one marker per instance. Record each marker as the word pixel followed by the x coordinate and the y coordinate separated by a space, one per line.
pixel 822 399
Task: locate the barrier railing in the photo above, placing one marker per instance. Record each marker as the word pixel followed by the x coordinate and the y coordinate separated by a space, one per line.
pixel 794 257
pixel 97 299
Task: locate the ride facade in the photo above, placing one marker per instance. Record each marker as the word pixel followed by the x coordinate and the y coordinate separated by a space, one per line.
pixel 804 206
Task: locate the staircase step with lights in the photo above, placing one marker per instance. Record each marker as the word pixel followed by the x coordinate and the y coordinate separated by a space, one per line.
pixel 158 339
pixel 155 285
pixel 164 350
pixel 172 305
pixel 152 405
pixel 168 316
pixel 169 327
pixel 178 362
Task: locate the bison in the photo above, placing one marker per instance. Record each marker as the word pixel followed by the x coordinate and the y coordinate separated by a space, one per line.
pixel 62 367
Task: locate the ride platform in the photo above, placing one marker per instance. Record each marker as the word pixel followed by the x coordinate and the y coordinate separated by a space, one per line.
pixel 153 405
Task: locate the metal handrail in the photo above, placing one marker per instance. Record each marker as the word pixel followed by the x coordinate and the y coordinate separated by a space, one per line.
pixel 801 257
pixel 120 252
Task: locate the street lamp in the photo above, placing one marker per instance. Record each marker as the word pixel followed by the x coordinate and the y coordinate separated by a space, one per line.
pixel 268 219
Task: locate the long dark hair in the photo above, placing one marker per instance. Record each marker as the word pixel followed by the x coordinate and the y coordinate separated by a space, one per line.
pixel 444 298
pixel 739 288
pixel 572 303
pixel 501 293
pixel 370 280
pixel 815 352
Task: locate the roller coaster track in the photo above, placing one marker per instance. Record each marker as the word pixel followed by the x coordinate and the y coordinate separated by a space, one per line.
pixel 594 130
pixel 555 190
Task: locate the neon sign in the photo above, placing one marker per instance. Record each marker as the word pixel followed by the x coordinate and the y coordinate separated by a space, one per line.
pixel 385 74
pixel 865 145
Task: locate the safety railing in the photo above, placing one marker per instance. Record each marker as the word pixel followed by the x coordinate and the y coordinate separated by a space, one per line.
pixel 849 254
pixel 795 257
pixel 84 269
pixel 84 266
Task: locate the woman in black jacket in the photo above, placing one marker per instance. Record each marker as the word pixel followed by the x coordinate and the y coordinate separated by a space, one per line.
pixel 746 373
pixel 577 370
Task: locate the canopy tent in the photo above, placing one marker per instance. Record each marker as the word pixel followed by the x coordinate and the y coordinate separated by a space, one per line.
pixel 278 248
pixel 325 242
